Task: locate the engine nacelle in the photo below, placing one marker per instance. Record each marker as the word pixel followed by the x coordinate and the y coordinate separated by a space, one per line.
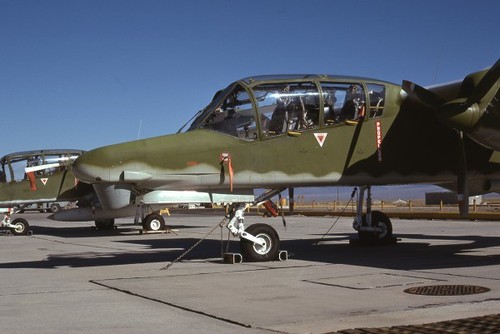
pixel 113 196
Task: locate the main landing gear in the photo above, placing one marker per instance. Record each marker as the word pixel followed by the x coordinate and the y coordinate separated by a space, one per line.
pixel 373 227
pixel 151 221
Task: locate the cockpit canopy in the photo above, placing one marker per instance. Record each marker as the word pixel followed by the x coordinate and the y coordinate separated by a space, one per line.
pixel 41 162
pixel 268 106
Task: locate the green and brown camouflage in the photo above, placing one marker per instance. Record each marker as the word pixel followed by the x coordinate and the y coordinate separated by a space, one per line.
pixel 394 134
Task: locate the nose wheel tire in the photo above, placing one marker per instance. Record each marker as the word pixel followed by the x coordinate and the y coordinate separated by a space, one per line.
pixel 259 253
pixel 21 226
pixel 154 222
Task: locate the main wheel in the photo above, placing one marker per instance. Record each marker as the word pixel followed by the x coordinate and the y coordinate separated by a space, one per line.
pixel 257 253
pixel 154 222
pixel 381 220
pixel 21 226
pixel 105 224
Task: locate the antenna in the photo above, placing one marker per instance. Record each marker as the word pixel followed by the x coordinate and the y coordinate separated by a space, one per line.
pixel 438 64
pixel 139 132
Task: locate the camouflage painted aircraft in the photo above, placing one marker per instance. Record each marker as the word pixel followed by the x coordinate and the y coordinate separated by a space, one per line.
pixel 278 132
pixel 37 177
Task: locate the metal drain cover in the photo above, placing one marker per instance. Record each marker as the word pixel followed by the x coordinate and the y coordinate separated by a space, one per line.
pixel 447 290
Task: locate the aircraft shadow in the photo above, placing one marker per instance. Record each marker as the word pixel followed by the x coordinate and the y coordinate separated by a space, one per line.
pixel 414 252
pixel 169 250
pixel 92 232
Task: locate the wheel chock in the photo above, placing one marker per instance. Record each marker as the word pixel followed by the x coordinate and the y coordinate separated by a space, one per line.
pixel 232 258
pixel 283 255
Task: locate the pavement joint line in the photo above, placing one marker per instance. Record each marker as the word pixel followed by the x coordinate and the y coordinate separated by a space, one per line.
pixel 257 269
pixel 172 305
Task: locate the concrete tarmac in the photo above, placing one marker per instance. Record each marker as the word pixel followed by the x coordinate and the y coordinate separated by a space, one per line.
pixel 70 278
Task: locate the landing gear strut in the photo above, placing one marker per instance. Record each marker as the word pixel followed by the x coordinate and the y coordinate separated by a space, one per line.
pixel 373 226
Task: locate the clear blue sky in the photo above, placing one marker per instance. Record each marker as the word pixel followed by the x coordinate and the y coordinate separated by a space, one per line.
pixel 83 74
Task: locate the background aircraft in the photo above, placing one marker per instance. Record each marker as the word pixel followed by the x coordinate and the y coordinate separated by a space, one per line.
pixel 37 177
pixel 279 132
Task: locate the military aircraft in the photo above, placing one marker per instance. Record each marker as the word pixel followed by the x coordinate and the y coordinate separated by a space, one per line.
pixel 287 131
pixel 37 177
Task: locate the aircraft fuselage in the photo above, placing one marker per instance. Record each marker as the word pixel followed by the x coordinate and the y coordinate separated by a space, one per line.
pixel 317 141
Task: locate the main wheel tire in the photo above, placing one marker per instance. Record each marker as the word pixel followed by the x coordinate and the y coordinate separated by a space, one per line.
pixel 255 253
pixel 22 226
pixel 105 224
pixel 154 222
pixel 379 219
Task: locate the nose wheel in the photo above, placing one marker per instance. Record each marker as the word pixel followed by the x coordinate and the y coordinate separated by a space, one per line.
pixel 20 226
pixel 268 248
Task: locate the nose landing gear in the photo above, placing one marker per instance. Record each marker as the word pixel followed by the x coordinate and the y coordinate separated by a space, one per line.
pixel 18 226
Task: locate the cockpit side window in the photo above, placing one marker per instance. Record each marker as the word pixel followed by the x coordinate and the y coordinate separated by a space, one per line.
pixel 376 94
pixel 287 107
pixel 18 167
pixel 343 102
pixel 235 115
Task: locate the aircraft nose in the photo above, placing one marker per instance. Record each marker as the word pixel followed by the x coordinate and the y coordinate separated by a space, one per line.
pixel 85 170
